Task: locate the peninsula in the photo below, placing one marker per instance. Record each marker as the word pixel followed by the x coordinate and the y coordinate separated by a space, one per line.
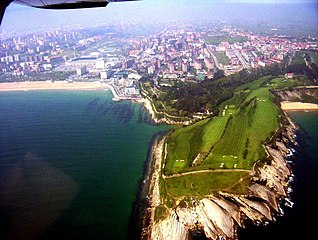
pixel 223 88
pixel 209 177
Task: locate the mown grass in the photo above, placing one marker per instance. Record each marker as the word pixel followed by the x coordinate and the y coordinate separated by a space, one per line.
pixel 201 184
pixel 241 144
pixel 182 145
pixel 185 144
pixel 231 140
pixel 282 83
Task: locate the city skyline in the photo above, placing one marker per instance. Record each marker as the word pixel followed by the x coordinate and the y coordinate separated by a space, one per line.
pixel 146 11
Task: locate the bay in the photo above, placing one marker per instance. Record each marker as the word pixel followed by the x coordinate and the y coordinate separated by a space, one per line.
pixel 70 164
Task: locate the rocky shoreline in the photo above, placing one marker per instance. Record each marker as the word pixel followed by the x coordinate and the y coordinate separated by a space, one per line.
pixel 149 195
pixel 148 105
pixel 219 215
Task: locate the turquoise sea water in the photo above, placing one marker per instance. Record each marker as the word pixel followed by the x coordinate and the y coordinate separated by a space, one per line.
pixel 70 163
pixel 308 123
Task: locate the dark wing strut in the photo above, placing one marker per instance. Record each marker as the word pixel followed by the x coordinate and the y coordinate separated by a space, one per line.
pixel 58 4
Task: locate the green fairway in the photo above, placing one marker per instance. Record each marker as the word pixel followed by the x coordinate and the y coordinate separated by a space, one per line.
pixel 199 185
pixel 232 140
pixel 183 145
pixel 217 154
pixel 241 144
pixel 281 82
pixel 188 146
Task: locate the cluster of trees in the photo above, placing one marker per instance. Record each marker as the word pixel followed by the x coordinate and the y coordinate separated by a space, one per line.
pixel 310 69
pixel 187 99
pixel 37 76
pixel 191 98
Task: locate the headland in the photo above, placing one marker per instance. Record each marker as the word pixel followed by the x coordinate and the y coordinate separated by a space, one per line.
pixel 178 205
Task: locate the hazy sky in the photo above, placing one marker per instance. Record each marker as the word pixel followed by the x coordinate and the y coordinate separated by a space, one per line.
pixel 21 18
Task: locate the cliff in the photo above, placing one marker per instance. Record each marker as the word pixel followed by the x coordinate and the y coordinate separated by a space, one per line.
pixel 302 94
pixel 219 215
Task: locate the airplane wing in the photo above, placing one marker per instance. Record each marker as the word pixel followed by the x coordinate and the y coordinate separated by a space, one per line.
pixel 67 4
pixel 58 4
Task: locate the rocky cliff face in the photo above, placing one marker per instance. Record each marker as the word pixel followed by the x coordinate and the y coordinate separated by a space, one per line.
pixel 309 95
pixel 219 215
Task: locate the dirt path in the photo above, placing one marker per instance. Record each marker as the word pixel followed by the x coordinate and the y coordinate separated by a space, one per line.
pixel 205 171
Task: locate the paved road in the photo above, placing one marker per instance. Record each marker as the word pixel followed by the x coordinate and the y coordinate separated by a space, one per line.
pixel 242 60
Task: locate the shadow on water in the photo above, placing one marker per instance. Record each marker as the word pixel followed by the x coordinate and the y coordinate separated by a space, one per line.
pixel 32 196
pixel 143 116
pixel 122 112
pixel 92 105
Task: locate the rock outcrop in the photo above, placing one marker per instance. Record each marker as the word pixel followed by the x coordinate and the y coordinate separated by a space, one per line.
pixel 302 94
pixel 220 214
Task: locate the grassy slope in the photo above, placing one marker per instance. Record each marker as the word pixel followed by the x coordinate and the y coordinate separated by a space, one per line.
pixel 182 146
pixel 248 129
pixel 220 141
pixel 202 184
pixel 254 117
pixel 238 146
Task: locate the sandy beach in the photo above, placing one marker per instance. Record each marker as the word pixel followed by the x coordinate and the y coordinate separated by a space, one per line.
pixel 46 85
pixel 298 106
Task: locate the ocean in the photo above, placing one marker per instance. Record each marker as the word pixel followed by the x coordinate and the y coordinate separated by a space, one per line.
pixel 70 164
pixel 300 221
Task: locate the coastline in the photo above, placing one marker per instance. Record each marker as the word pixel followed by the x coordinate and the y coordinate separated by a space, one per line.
pixel 270 185
pixel 48 85
pixel 304 168
pixel 148 195
pixel 153 162
pixel 148 106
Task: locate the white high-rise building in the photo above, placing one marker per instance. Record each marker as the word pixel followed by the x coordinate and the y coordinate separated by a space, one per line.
pixel 100 64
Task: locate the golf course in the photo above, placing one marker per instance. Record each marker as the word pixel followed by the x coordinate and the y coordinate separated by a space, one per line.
pixel 218 153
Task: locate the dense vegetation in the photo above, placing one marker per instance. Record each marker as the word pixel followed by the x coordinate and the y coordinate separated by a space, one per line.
pixel 38 76
pixel 187 99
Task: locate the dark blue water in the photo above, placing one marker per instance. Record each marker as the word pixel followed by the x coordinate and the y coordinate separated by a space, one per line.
pixel 300 222
pixel 70 163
